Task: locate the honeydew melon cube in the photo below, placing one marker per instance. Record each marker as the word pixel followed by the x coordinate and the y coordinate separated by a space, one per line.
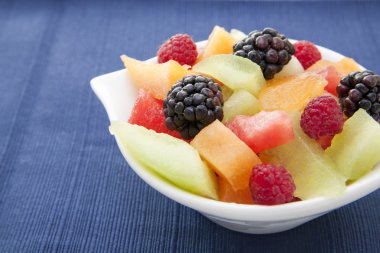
pixel 241 102
pixel 233 71
pixel 294 67
pixel 173 159
pixel 314 173
pixel 356 149
pixel 237 34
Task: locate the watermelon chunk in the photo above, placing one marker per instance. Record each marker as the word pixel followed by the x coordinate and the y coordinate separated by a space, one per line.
pixel 149 113
pixel 265 130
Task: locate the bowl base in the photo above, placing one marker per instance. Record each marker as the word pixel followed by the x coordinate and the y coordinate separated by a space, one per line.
pixel 259 227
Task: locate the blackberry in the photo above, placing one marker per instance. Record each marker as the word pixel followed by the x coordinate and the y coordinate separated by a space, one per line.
pixel 268 48
pixel 360 90
pixel 192 103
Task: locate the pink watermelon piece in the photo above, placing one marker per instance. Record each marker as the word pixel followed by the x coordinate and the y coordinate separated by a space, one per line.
pixel 149 113
pixel 332 76
pixel 264 130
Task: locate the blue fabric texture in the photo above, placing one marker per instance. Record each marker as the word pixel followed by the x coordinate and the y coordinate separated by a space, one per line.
pixel 64 186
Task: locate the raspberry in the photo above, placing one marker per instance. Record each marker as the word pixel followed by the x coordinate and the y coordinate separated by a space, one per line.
pixel 307 53
pixel 271 185
pixel 322 118
pixel 180 48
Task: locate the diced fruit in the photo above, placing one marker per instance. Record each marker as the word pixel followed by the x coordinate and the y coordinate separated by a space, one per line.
pixel 271 185
pixel 227 155
pixel 313 173
pixel 219 42
pixel 156 79
pixel 307 53
pixel 237 34
pixel 321 64
pixel 347 65
pixel 293 67
pixel 148 112
pixel 169 157
pixel 356 149
pixel 241 102
pixel 180 48
pixel 233 71
pixel 193 103
pixel 344 66
pixel 266 157
pixel 228 194
pixel 227 92
pixel 264 130
pixel 325 141
pixel 292 92
pixel 267 48
pixel 360 90
pixel 332 76
pixel 322 119
pixel 326 93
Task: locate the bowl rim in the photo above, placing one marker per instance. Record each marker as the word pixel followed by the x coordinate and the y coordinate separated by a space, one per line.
pixel 244 212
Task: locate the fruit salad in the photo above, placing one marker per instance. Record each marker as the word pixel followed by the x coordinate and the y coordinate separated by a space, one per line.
pixel 253 118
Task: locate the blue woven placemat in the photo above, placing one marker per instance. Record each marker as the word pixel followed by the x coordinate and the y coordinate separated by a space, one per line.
pixel 64 186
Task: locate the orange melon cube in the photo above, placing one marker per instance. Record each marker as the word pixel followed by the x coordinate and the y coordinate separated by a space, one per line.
pixel 291 93
pixel 226 154
pixel 344 66
pixel 219 42
pixel 228 194
pixel 321 64
pixel 156 79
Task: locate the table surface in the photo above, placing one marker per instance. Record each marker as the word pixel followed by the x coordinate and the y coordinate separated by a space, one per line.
pixel 64 186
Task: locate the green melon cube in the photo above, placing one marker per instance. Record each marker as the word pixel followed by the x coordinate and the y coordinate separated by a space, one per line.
pixel 314 174
pixel 173 159
pixel 356 150
pixel 241 102
pixel 237 34
pixel 233 71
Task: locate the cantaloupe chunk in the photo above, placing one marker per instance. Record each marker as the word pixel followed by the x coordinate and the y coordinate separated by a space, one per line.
pixel 228 194
pixel 321 64
pixel 219 42
pixel 332 76
pixel 227 155
pixel 344 66
pixel 156 79
pixel 291 93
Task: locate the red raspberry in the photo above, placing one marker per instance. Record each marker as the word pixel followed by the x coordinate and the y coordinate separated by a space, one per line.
pixel 180 48
pixel 322 119
pixel 306 53
pixel 271 185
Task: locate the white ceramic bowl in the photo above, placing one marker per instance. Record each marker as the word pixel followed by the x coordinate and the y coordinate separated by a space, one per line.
pixel 118 95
